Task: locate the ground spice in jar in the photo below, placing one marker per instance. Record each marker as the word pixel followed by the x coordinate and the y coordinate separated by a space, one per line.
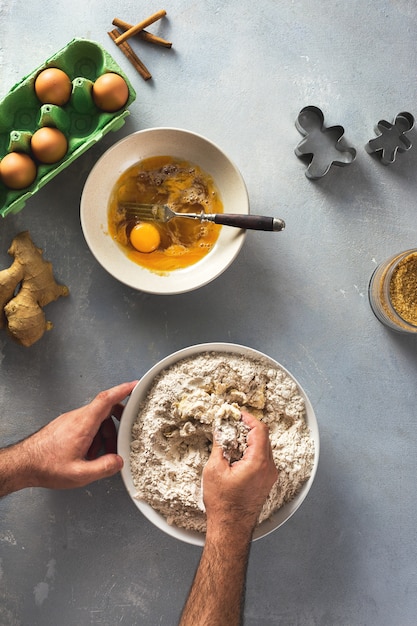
pixel 403 288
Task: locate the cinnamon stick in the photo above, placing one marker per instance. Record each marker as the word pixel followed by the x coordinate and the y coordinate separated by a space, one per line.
pixel 138 27
pixel 131 55
pixel 143 34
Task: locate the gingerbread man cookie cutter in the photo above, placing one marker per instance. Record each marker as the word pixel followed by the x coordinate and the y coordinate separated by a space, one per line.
pixel 323 147
pixel 392 138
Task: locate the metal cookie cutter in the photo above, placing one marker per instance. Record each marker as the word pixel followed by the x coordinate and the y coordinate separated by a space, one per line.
pixel 323 146
pixel 392 138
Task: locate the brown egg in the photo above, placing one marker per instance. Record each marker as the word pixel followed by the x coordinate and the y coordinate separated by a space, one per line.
pixel 53 86
pixel 17 170
pixel 49 145
pixel 110 92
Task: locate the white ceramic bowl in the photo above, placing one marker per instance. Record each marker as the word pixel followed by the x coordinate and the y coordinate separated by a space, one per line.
pixel 131 412
pixel 160 142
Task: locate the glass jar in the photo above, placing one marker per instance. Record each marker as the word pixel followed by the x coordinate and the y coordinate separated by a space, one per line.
pixel 393 292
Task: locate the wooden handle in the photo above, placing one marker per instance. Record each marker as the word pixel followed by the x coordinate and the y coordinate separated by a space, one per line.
pixel 251 222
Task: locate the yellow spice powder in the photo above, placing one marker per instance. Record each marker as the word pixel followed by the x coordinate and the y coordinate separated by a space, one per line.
pixel 403 288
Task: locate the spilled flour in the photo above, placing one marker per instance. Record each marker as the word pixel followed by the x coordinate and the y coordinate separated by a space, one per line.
pixel 201 397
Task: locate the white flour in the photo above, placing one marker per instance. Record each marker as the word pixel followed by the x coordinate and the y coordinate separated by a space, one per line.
pixel 202 395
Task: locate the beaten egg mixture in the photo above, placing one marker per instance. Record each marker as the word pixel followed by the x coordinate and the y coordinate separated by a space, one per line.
pixel 185 188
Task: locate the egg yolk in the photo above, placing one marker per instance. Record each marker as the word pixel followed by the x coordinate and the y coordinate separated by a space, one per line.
pixel 145 237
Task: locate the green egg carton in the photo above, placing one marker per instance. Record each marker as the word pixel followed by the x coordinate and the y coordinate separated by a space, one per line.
pixel 83 124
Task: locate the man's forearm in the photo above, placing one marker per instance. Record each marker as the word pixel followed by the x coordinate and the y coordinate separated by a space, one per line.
pixel 217 595
pixel 14 468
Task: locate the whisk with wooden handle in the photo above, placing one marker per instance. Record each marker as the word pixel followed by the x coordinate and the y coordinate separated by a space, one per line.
pixel 163 213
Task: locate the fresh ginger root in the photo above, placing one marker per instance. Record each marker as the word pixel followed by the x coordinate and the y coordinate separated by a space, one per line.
pixel 25 287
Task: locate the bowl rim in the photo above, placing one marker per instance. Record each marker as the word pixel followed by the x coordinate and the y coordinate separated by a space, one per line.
pixel 130 413
pixel 103 176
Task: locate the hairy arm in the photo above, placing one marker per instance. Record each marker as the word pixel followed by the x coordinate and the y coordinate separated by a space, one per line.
pixel 66 453
pixel 217 593
pixel 233 496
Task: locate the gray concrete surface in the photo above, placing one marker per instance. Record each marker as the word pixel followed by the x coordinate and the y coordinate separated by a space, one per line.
pixel 239 73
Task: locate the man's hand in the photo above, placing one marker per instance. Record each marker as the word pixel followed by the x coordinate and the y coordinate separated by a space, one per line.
pixel 63 454
pixel 234 494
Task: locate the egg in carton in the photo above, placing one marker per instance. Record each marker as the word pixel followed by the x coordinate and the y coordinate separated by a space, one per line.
pixel 39 138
